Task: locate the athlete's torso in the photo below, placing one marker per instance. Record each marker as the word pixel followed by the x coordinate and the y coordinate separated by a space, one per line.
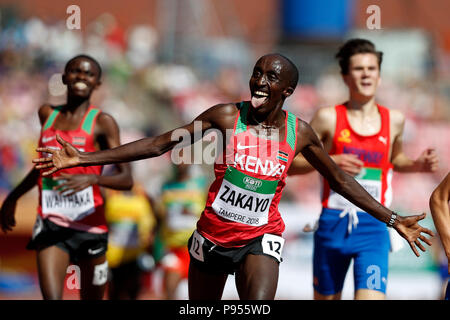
pixel 84 210
pixel 373 150
pixel 243 200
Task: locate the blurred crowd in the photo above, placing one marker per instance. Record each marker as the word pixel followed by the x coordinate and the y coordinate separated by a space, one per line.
pixel 148 95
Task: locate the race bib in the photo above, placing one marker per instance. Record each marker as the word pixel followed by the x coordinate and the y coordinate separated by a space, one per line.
pixel 74 207
pixel 244 199
pixel 273 245
pixel 196 248
pixel 369 179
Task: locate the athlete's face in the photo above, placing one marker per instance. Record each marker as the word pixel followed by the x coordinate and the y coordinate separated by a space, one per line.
pixel 269 83
pixel 363 75
pixel 81 77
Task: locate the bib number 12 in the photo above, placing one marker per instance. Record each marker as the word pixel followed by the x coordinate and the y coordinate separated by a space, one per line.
pixel 273 245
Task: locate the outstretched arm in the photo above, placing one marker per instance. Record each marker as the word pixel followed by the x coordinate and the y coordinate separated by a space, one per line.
pixel 348 187
pixel 107 134
pixel 439 207
pixel 145 148
pixel 323 124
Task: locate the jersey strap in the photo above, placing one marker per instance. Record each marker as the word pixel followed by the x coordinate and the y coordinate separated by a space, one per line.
pixel 51 119
pixel 291 135
pixel 88 123
pixel 241 125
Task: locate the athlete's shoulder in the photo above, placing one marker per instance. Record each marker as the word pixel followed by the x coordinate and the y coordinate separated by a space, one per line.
pixel 226 108
pixel 324 120
pixel 219 112
pixel 396 117
pixel 45 111
pixel 106 123
pixel 326 113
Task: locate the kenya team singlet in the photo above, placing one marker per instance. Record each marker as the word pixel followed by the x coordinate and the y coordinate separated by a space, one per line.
pixel 376 175
pixel 84 210
pixel 242 202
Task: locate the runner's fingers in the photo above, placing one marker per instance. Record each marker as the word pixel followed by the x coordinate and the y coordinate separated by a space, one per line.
pixel 427 231
pixel 42 160
pixel 44 165
pixel 47 173
pixel 413 248
pixel 46 150
pixel 418 244
pixel 426 240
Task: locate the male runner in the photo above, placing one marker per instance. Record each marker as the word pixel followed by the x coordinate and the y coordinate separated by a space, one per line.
pixel 70 225
pixel 240 228
pixel 365 140
pixel 439 206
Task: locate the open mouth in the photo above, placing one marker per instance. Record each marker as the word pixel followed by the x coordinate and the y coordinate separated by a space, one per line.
pixel 259 98
pixel 80 85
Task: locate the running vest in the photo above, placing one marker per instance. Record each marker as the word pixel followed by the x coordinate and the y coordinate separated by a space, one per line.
pixel 84 210
pixel 376 175
pixel 242 202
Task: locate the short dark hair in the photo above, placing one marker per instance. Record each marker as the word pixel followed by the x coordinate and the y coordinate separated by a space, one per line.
pixel 293 71
pixel 355 46
pixel 85 56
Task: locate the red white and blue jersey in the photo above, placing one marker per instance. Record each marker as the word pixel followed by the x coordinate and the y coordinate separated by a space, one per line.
pixel 373 150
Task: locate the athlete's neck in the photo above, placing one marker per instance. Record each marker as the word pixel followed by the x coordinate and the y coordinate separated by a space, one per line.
pixel 273 118
pixel 365 106
pixel 75 104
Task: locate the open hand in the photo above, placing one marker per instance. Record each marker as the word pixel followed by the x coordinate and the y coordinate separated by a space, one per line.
pixel 68 156
pixel 409 228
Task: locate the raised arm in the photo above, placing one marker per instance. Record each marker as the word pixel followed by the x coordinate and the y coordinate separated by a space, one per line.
pixel 347 186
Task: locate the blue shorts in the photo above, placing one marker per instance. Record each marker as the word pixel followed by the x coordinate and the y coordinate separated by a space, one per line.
pixel 368 245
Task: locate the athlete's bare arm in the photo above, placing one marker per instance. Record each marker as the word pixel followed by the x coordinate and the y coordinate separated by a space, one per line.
pixel 426 162
pixel 324 123
pixel 219 117
pixel 439 206
pixel 341 182
pixel 8 208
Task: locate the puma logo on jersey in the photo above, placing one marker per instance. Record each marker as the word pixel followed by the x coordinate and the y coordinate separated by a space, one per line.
pixel 383 139
pixel 256 165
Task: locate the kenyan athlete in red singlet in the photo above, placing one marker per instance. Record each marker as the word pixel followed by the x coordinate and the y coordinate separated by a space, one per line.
pixel 70 226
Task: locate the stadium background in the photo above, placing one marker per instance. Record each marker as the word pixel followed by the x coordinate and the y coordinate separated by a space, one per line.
pixel 165 61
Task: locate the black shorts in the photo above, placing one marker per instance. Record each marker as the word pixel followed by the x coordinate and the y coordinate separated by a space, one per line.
pixel 78 244
pixel 213 258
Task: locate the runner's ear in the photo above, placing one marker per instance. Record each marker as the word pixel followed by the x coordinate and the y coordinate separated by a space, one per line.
pixel 288 91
